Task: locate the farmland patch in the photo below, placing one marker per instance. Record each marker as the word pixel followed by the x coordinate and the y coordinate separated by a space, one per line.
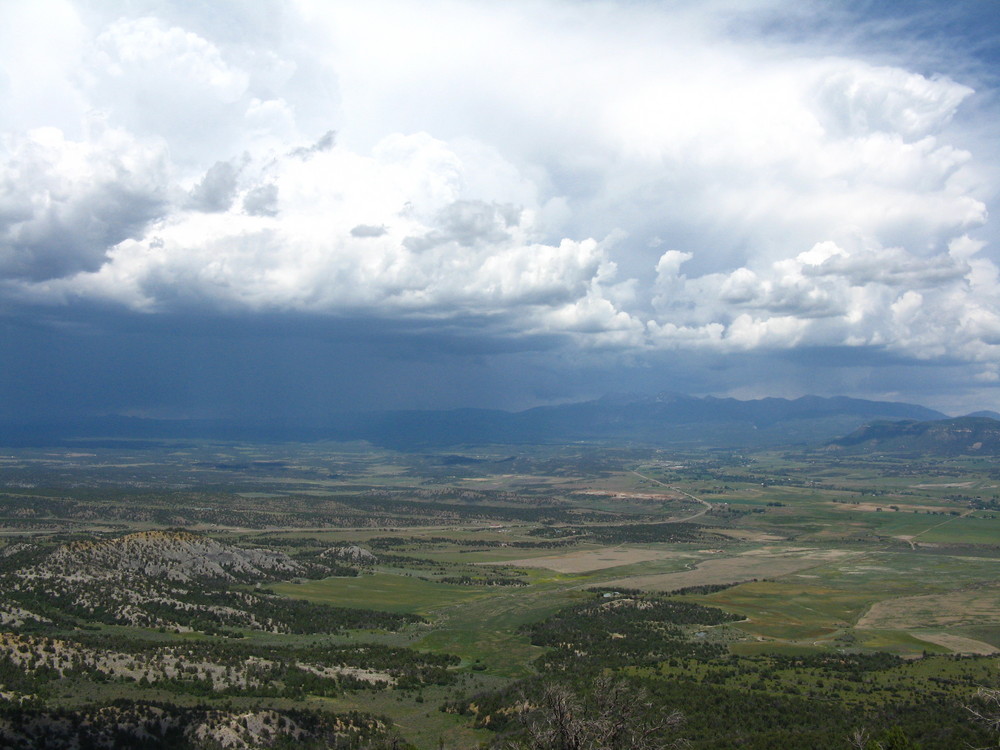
pixel 766 562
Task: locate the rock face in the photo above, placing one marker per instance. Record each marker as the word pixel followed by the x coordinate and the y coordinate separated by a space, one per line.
pixel 175 555
pixel 353 553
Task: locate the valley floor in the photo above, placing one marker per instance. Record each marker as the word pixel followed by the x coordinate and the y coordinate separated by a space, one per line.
pixel 328 593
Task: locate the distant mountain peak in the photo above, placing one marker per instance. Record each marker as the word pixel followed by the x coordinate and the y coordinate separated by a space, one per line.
pixel 622 397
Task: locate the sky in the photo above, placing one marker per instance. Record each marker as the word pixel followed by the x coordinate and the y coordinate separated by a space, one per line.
pixel 282 210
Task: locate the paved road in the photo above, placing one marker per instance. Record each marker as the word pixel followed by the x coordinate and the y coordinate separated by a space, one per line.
pixel 699 514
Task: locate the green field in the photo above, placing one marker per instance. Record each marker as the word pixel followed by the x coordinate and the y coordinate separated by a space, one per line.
pixel 392 593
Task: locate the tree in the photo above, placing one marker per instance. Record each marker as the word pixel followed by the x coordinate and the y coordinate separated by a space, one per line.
pixel 986 710
pixel 611 717
pixel 893 738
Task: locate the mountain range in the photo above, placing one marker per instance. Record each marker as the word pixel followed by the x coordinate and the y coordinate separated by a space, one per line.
pixel 665 419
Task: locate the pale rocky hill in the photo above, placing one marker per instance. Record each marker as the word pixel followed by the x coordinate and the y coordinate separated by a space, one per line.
pixel 173 579
pixel 176 555
pixel 351 553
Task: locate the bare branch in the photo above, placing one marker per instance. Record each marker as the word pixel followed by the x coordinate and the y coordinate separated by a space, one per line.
pixel 615 717
pixel 989 712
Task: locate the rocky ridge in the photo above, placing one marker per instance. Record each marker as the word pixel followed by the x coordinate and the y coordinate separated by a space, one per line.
pixel 172 579
pixel 176 555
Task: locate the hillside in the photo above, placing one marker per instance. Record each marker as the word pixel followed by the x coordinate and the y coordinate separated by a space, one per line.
pixel 134 724
pixel 985 413
pixel 963 435
pixel 170 579
pixel 177 556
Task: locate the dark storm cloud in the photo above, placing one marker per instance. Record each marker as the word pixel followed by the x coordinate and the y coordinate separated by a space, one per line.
pixel 270 366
